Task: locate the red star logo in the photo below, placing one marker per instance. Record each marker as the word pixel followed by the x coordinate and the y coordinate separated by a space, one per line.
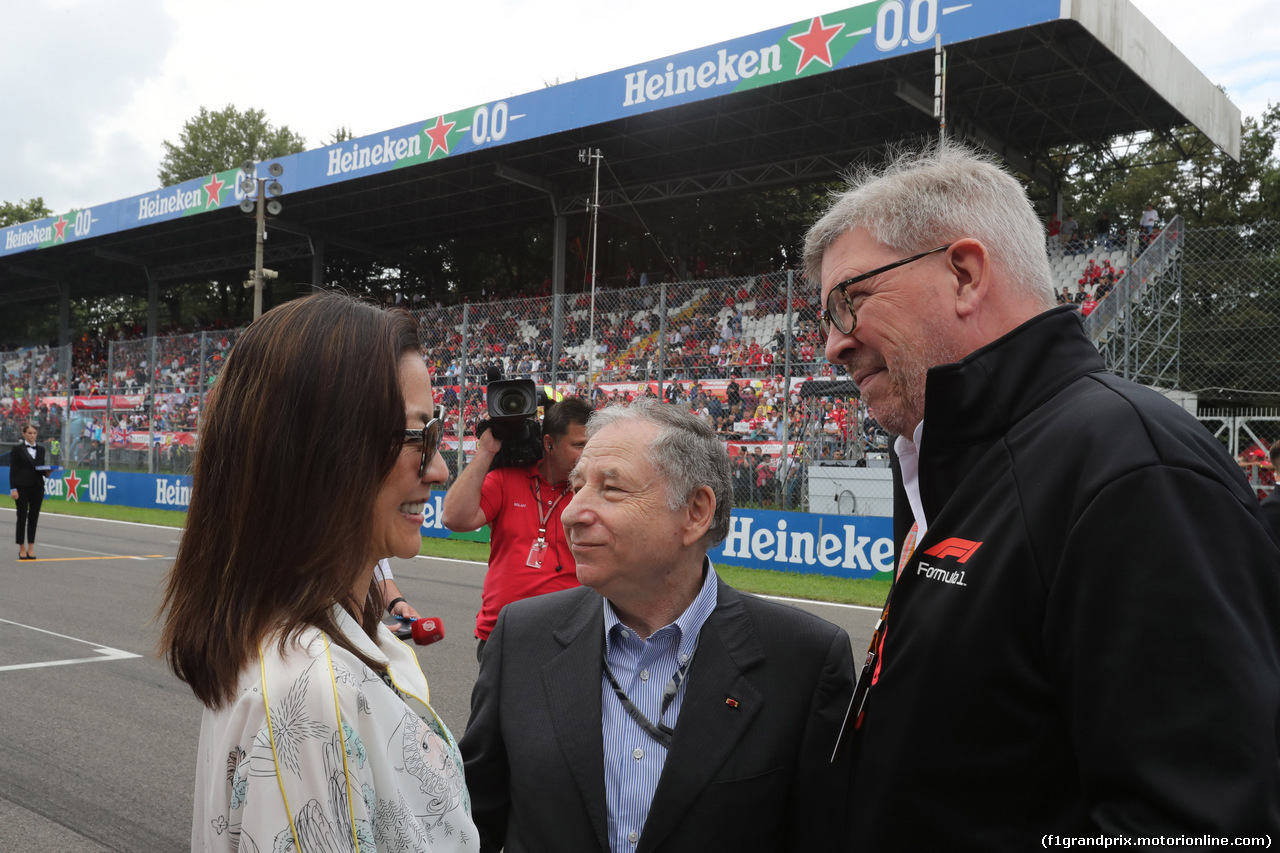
pixel 439 135
pixel 61 227
pixel 815 44
pixel 73 483
pixel 214 190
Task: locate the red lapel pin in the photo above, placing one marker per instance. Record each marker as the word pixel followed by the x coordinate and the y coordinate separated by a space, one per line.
pixel 731 702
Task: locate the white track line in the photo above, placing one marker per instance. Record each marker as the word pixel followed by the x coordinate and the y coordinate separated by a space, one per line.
pixel 104 652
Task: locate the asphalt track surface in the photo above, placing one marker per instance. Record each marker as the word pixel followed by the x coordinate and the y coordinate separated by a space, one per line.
pixel 98 738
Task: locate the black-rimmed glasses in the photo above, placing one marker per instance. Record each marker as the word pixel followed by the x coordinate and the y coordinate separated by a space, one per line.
pixel 430 436
pixel 839 311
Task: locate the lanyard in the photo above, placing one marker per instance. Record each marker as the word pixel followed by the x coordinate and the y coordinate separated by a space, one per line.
pixel 544 515
pixel 662 733
pixel 875 651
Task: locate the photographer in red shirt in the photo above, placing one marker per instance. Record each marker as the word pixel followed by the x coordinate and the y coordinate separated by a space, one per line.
pixel 528 554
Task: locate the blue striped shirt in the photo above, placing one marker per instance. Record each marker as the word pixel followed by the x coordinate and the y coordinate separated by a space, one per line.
pixel 632 759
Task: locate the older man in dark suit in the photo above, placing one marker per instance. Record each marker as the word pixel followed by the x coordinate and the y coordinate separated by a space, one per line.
pixel 656 708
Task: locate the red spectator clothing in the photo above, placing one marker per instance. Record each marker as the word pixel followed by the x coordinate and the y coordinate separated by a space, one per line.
pixel 1088 305
pixel 507 499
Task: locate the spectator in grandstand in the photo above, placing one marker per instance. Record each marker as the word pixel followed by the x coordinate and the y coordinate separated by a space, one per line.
pixel 1055 228
pixel 27 472
pixel 1102 227
pixel 719 711
pixel 316 722
pixel 1104 286
pixel 1067 542
pixel 1147 222
pixel 1087 306
pixel 1064 298
pixel 522 505
pixel 1068 231
pixel 1271 505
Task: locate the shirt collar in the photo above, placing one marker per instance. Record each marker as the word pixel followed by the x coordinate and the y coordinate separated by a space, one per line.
pixel 687 625
pixel 351 629
pixel 908 450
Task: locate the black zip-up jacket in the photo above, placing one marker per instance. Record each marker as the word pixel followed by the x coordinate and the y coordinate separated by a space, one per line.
pixel 1086 640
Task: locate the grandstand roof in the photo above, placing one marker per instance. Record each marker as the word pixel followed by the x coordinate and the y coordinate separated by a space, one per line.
pixel 788 106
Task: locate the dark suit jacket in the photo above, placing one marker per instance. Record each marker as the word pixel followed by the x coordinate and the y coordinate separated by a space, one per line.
pixel 757 777
pixel 22 469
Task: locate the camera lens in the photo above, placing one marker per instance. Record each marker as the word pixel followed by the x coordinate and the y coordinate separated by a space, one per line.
pixel 510 399
pixel 511 404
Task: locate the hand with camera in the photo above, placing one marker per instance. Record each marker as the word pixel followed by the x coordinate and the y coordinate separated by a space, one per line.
pixel 511 404
pixel 461 510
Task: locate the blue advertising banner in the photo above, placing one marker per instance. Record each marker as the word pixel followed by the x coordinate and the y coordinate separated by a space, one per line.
pixel 843 546
pixel 858 35
pixel 118 488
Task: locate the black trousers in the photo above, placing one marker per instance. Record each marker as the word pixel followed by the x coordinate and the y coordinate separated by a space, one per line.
pixel 29 500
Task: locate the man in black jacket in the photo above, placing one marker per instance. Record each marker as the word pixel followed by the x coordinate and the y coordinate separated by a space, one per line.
pixel 1083 634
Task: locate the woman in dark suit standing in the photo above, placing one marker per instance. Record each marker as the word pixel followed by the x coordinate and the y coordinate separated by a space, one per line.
pixel 26 483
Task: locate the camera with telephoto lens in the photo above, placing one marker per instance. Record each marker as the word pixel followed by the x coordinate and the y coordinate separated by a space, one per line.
pixel 513 417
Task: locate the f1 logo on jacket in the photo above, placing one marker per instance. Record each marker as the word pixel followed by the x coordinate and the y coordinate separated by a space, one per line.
pixel 961 549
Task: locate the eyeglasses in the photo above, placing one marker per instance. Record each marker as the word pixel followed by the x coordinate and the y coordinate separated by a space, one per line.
pixel 839 311
pixel 430 436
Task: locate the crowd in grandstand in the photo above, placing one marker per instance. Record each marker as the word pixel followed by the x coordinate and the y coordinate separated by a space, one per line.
pixel 728 332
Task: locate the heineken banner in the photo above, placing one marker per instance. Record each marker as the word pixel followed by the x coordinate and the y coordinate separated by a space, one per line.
pixel 118 488
pixel 855 36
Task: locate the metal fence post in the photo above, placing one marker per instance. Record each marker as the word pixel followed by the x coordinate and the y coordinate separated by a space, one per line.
pixel 151 406
pixel 462 385
pixel 784 455
pixel 557 334
pixel 110 388
pixel 662 336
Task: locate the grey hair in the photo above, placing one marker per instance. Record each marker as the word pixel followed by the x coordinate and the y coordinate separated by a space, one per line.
pixel 687 453
pixel 934 196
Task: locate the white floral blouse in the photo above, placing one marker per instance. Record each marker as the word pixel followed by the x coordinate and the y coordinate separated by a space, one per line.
pixel 318 752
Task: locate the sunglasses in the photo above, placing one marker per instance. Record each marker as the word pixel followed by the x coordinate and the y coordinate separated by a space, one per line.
pixel 430 436
pixel 839 312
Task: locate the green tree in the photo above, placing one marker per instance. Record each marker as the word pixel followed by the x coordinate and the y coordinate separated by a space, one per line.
pixel 12 213
pixel 1181 173
pixel 214 141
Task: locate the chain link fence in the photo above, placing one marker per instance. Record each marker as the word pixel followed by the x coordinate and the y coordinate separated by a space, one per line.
pixel 34 384
pixel 744 353
pixel 1230 347
pixel 148 419
pixel 1230 343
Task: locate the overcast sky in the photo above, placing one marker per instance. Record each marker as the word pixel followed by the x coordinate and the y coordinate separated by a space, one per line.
pixel 92 87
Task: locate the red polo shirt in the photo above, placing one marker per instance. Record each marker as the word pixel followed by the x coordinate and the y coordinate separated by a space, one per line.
pixel 509 506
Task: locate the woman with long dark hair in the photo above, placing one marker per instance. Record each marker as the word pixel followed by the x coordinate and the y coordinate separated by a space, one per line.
pixel 317 453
